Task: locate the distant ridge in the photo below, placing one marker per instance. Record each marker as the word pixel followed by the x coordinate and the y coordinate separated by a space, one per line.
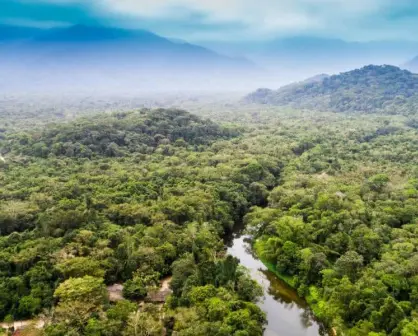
pixel 370 89
pixel 85 57
pixel 14 33
pixel 82 33
pixel 298 57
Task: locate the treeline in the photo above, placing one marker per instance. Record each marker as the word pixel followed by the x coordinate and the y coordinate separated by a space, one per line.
pixel 371 89
pixel 118 134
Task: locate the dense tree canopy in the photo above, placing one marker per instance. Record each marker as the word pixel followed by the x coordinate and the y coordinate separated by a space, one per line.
pixel 343 225
pixel 331 200
pixel 120 133
pixel 71 224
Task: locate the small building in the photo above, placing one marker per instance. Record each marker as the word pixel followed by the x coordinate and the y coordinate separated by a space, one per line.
pixel 115 292
pixel 158 296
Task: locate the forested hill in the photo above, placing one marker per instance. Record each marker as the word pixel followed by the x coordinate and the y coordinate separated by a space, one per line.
pixel 71 226
pixel 118 134
pixel 386 89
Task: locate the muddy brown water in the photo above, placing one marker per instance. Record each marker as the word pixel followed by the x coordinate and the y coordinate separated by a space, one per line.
pixel 287 313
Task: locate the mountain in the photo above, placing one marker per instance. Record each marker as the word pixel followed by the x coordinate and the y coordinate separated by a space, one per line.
pixel 13 33
pixel 370 89
pixel 87 57
pixel 295 58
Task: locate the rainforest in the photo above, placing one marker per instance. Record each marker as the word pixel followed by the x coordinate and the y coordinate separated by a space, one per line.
pixel 208 168
pixel 131 198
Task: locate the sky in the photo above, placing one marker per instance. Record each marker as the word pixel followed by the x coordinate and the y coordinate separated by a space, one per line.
pixel 227 20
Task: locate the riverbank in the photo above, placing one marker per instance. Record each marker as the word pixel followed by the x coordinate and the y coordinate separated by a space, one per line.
pixel 313 300
pixel 287 313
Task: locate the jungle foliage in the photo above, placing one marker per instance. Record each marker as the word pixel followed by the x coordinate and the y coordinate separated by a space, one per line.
pixel 342 225
pixel 71 224
pixel 120 133
pixel 331 200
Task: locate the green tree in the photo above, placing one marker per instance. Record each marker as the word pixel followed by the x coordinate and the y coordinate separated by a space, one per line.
pixel 349 264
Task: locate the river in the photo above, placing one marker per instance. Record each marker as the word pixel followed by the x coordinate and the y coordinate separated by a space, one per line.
pixel 287 313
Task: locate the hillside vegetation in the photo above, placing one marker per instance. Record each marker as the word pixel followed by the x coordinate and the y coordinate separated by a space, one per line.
pixel 119 134
pixel 386 89
pixel 71 224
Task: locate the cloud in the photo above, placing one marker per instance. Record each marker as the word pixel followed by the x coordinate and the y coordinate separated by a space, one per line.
pixel 257 19
pixel 261 17
pixel 242 19
pixel 45 14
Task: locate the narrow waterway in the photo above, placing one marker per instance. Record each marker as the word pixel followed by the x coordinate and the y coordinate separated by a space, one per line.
pixel 287 313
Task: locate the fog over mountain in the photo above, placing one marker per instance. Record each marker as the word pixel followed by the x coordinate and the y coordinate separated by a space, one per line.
pixel 80 57
pixel 299 57
pixel 196 45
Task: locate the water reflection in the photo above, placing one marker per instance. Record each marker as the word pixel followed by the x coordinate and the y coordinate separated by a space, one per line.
pixel 282 292
pixel 287 313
